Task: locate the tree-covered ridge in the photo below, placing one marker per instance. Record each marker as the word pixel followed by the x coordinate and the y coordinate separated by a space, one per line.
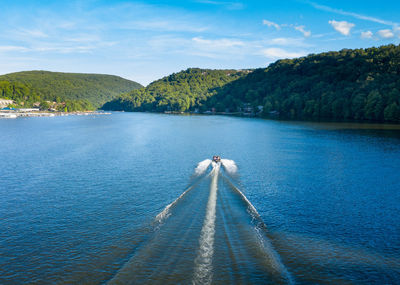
pixel 359 84
pixel 94 88
pixel 181 91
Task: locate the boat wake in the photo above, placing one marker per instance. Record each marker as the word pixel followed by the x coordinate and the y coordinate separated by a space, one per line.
pixel 203 262
pixel 210 234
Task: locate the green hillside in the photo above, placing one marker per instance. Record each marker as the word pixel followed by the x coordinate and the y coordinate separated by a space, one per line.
pixel 359 84
pixel 94 88
pixel 178 92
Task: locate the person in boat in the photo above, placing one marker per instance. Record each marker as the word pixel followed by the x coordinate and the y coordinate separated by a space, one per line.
pixel 216 158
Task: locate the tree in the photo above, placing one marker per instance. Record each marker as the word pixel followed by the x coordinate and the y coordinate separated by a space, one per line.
pixel 44 105
pixel 374 106
pixel 392 113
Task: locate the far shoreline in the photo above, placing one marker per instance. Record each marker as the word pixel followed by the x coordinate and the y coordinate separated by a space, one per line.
pixel 13 114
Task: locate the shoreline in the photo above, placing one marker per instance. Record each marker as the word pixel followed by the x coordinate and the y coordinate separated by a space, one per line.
pixel 7 114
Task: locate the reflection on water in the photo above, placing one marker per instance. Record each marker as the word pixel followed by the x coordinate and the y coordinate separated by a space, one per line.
pixel 366 129
pixel 350 126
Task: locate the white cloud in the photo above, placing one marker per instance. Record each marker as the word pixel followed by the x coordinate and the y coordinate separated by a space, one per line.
pixel 386 34
pixel 34 33
pixel 366 35
pixel 396 30
pixel 218 43
pixel 291 42
pixel 355 15
pixel 64 49
pixel 48 48
pixel 219 48
pixel 271 24
pixel 164 26
pixel 12 48
pixel 276 53
pixel 302 29
pixel 83 38
pixel 228 5
pixel 342 27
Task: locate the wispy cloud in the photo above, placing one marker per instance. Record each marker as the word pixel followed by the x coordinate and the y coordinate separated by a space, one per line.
pixel 13 49
pixel 217 48
pixel 64 49
pixel 34 33
pixel 342 27
pixel 396 30
pixel 289 42
pixel 271 24
pixel 366 35
pixel 164 26
pixel 218 43
pixel 385 34
pixel 228 5
pixel 300 28
pixel 303 30
pixel 48 48
pixel 278 53
pixel 351 14
pixel 83 38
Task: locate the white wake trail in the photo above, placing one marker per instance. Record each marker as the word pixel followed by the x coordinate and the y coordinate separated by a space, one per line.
pixel 162 216
pixel 199 170
pixel 273 256
pixel 203 261
pixel 202 167
pixel 230 166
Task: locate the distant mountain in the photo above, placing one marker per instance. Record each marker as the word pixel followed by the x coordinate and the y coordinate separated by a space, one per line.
pixel 94 88
pixel 351 84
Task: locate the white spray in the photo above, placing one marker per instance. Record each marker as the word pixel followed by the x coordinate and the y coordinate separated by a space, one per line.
pixel 202 167
pixel 230 166
pixel 203 261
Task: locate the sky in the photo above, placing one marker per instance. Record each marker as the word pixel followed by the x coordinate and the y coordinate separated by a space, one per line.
pixel 146 40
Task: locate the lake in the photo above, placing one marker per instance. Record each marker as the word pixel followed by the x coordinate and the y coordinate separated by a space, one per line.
pixel 84 199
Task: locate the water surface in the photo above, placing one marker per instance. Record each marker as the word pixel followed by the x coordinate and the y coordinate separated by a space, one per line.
pixel 80 198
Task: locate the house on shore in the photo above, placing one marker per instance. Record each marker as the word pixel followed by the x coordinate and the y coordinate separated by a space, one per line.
pixel 5 102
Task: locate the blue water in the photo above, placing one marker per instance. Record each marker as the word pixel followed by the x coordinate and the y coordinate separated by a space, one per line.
pixel 80 196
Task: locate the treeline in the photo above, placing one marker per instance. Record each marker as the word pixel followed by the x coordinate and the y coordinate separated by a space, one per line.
pixel 72 87
pixel 180 92
pixel 26 96
pixel 359 84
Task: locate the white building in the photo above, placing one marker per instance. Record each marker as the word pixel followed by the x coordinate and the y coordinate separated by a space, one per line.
pixel 4 103
pixel 28 109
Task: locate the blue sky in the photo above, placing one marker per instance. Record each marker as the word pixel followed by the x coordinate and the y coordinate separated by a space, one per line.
pixel 146 40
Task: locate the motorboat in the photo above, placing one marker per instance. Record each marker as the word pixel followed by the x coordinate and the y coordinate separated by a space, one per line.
pixel 216 158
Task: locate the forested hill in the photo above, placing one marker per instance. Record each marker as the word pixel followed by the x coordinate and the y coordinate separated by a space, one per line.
pixel 94 88
pixel 359 84
pixel 181 91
